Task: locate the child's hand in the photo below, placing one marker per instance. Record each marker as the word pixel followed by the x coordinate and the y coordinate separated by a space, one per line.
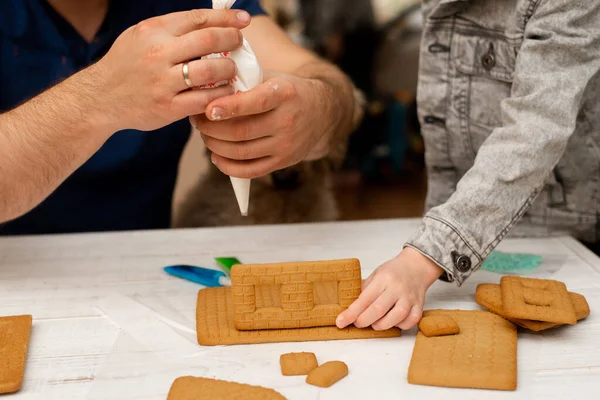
pixel 394 293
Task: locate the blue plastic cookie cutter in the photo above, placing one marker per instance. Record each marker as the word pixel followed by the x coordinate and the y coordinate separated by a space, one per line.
pixel 202 276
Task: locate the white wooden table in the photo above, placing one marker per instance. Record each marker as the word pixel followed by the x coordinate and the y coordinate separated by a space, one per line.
pixel 110 324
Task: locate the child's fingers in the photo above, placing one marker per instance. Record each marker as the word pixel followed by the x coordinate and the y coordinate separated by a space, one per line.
pixel 367 281
pixel 412 318
pixel 377 309
pixel 365 299
pixel 394 317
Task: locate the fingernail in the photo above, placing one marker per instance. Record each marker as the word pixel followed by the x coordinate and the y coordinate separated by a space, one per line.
pixel 213 159
pixel 216 114
pixel 243 16
pixel 339 321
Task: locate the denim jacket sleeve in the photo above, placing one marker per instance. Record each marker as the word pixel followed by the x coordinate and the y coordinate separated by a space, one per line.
pixel 558 57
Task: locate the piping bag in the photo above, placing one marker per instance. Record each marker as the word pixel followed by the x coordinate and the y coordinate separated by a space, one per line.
pixel 248 75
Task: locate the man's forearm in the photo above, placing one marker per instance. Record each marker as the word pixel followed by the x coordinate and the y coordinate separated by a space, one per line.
pixel 46 139
pixel 133 86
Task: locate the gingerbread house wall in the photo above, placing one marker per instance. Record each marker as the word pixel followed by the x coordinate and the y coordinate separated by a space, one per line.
pixel 295 280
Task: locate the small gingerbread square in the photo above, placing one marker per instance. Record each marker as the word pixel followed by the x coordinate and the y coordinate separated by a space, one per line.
pixel 327 374
pixel 293 364
pixel 439 325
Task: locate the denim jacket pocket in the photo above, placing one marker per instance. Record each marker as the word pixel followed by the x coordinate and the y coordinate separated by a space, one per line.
pixel 484 70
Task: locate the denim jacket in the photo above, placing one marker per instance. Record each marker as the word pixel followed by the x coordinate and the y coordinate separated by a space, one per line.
pixel 509 102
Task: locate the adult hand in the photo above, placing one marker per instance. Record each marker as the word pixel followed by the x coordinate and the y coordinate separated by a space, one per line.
pixel 279 123
pixel 140 80
pixel 394 294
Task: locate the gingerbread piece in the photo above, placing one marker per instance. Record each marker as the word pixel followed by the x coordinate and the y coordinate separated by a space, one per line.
pixel 441 325
pixel 215 326
pixel 191 388
pixel 14 340
pixel 293 295
pixel 483 355
pixel 327 374
pixel 581 306
pixel 293 364
pixel 537 300
pixel 489 296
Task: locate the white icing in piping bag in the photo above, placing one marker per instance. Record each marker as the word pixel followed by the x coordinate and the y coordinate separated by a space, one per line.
pixel 241 187
pixel 249 75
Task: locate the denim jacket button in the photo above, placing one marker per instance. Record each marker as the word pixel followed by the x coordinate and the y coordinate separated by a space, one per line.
pixel 488 61
pixel 461 262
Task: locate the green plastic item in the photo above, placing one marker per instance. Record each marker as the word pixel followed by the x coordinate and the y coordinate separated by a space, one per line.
pixel 227 262
pixel 507 263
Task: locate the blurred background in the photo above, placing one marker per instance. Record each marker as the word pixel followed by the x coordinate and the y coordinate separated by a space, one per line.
pixel 376 42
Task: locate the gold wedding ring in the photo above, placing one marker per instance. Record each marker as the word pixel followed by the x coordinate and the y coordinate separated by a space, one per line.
pixel 186 75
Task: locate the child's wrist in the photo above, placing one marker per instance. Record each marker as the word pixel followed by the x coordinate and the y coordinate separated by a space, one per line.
pixel 429 267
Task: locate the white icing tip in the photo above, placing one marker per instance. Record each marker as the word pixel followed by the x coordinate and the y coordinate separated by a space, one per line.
pixel 241 188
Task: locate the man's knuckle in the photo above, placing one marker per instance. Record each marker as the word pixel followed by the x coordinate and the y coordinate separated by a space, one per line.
pixel 198 17
pixel 144 27
pixel 290 92
pixel 161 99
pixel 163 106
pixel 224 17
pixel 208 39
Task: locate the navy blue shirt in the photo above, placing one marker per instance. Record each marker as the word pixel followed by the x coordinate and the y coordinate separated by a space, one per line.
pixel 128 184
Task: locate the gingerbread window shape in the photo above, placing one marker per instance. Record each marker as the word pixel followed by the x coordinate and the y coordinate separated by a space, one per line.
pixel 293 295
pixel 537 300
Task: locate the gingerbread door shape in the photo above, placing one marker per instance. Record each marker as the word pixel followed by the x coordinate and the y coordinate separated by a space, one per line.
pixel 293 295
